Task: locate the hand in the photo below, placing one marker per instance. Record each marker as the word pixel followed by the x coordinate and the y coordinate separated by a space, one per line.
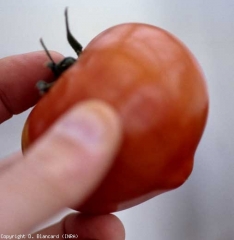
pixel 62 168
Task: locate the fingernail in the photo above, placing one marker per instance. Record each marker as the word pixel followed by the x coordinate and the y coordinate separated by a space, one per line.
pixel 88 124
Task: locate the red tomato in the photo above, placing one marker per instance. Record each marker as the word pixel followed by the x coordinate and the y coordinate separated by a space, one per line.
pixel 159 92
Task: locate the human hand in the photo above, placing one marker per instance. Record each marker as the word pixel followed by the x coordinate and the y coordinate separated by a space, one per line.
pixel 62 168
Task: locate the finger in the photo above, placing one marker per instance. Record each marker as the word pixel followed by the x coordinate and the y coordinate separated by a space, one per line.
pixel 9 161
pixel 18 77
pixel 61 169
pixel 103 227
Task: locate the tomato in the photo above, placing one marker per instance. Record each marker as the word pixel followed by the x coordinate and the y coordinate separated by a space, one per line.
pixel 158 89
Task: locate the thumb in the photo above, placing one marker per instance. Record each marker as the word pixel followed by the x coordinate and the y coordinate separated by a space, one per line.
pixel 62 168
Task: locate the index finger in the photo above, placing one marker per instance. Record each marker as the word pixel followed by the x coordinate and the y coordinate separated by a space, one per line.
pixel 18 77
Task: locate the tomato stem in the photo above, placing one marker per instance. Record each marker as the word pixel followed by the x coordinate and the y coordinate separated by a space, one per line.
pixel 73 42
pixel 59 68
pixel 43 86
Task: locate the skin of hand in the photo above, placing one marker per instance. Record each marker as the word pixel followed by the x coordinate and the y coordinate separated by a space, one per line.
pixel 62 168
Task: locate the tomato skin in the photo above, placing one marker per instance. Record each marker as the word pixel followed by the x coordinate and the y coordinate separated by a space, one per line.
pixel 157 87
